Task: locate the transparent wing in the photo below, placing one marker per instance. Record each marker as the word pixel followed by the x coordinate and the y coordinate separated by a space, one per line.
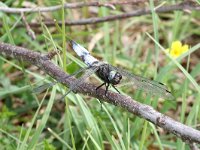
pixel 149 86
pixel 45 86
pixel 80 80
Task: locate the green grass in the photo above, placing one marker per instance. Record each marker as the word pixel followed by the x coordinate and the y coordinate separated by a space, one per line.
pixel 37 121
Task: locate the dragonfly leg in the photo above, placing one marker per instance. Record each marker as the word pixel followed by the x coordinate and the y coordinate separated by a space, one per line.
pixel 116 89
pixel 107 89
pixel 100 86
pixel 96 93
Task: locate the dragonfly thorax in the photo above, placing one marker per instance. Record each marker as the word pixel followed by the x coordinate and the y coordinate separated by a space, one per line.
pixel 109 76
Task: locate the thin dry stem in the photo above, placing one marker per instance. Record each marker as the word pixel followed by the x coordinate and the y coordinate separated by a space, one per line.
pixel 110 5
pixel 185 6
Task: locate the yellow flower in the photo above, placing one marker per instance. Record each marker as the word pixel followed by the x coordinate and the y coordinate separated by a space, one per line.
pixel 177 49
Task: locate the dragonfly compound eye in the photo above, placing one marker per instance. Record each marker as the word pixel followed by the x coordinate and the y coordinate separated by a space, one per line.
pixel 111 75
pixel 114 77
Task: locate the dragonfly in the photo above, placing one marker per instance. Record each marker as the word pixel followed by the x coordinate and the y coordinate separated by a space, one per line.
pixel 110 75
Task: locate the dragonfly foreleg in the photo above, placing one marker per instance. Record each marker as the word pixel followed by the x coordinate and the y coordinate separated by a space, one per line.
pixel 116 89
pixel 103 85
pixel 100 86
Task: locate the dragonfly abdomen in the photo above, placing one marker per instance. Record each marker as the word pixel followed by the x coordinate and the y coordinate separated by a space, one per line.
pixel 88 59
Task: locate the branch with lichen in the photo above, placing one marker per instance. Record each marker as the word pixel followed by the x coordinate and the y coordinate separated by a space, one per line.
pixel 43 61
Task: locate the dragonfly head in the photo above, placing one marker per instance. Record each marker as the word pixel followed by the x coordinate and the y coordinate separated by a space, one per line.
pixel 114 77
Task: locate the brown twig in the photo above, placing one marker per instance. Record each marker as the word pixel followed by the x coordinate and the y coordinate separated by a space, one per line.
pixel 69 6
pixel 144 11
pixel 28 28
pixel 186 133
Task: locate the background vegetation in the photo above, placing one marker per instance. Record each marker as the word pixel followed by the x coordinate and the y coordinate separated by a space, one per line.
pixel 29 120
